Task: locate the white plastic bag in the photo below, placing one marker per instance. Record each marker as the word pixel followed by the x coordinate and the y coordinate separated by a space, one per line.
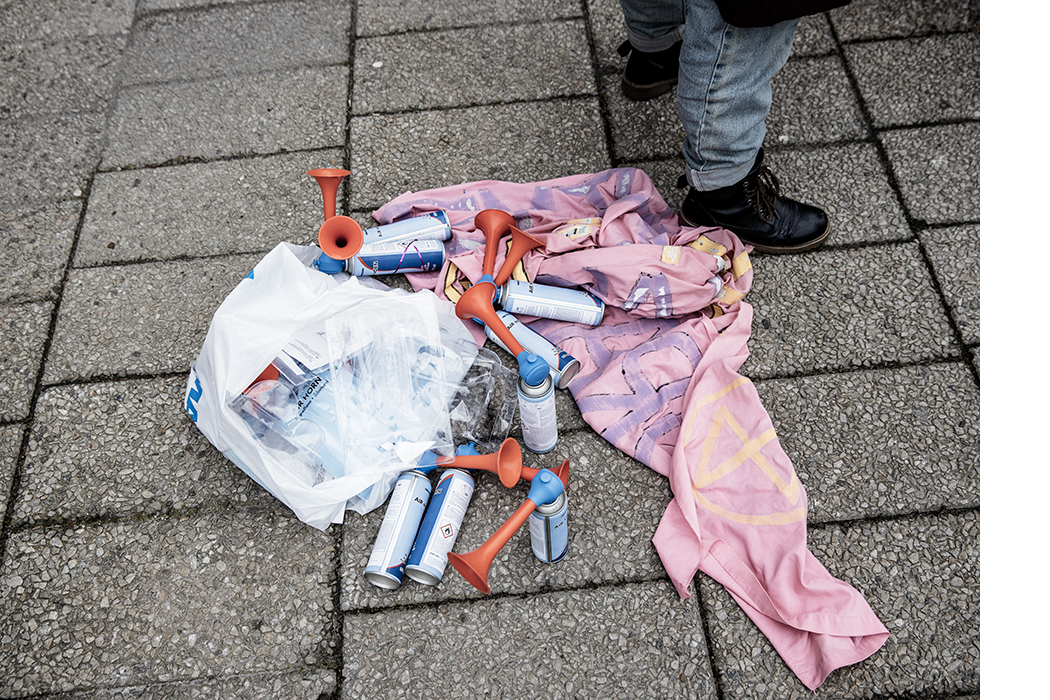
pixel 279 298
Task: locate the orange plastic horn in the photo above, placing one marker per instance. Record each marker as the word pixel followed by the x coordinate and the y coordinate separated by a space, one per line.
pixel 476 302
pixel 340 237
pixel 329 179
pixel 562 472
pixel 495 223
pixel 521 243
pixel 506 462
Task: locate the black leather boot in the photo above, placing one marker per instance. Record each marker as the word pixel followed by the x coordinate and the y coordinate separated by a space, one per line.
pixel 648 75
pixel 754 210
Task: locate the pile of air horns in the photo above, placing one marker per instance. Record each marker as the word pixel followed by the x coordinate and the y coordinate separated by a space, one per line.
pixel 477 302
pixel 546 487
pixel 340 238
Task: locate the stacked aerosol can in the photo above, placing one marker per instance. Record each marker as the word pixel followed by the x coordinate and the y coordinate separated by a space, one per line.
pixel 410 544
pixel 539 421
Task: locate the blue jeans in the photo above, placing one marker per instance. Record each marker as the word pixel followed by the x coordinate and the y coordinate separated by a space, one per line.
pixel 724 79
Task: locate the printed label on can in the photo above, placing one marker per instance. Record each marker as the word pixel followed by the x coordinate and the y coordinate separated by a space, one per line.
pixel 386 564
pixel 549 530
pixel 539 418
pixel 437 535
pixel 563 365
pixel 387 258
pixel 546 301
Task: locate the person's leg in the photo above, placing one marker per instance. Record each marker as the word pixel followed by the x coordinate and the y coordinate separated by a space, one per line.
pixel 654 38
pixel 724 92
pixel 724 96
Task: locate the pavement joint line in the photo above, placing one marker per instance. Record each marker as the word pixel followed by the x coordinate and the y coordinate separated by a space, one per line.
pixel 914 223
pixel 574 97
pixel 205 8
pixel 38 382
pixel 929 34
pixel 369 611
pixel 604 113
pixel 156 683
pixel 847 523
pixel 485 25
pixel 204 160
pixel 880 367
pixel 185 257
pixel 232 74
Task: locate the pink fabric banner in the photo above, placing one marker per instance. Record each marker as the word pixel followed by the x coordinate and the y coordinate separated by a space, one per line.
pixel 659 381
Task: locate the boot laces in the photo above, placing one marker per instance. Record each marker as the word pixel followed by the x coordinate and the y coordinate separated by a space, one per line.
pixel 762 189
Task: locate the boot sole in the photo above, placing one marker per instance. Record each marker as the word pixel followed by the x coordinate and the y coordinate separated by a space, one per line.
pixel 642 93
pixel 772 250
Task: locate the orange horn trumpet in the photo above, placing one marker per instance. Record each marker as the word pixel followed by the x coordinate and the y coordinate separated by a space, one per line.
pixel 506 462
pixel 329 179
pixel 562 472
pixel 495 223
pixel 476 303
pixel 474 566
pixel 521 243
pixel 340 237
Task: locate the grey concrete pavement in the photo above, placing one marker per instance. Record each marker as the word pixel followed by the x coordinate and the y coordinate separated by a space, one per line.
pixel 151 151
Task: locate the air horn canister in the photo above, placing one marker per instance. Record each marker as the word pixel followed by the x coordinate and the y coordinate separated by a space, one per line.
pixel 386 565
pixel 437 535
pixel 474 566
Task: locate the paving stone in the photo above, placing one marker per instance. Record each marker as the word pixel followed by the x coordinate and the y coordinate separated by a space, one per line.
pixel 233 39
pixel 378 17
pixel 879 443
pixel 203 208
pixel 483 65
pixel 642 130
pixel 521 142
pixel 875 19
pixel 813 37
pixel 35 242
pixel 629 641
pixel 291 686
pixel 913 81
pixel 48 158
pixel 850 184
pixel 42 78
pixel 841 309
pixel 246 115
pixel 608 31
pixel 23 332
pixel 615 505
pixel 813 102
pixel 921 577
pixel 139 319
pixel 63 19
pixel 955 254
pixel 148 6
pixel 938 169
pixel 976 353
pixel 131 603
pixel 10 445
pixel 123 449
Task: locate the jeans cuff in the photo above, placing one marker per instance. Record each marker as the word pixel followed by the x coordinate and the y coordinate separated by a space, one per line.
pixel 705 181
pixel 651 44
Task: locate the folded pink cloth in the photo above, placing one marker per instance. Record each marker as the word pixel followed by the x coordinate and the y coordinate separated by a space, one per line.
pixel 659 381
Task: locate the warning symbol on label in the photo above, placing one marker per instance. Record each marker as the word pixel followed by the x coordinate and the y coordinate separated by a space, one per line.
pixel 447 530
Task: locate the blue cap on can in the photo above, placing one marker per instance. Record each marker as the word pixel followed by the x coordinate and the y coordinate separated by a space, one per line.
pixel 546 487
pixel 532 368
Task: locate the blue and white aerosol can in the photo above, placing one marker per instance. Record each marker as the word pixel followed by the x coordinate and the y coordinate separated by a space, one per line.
pixel 539 418
pixel 386 565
